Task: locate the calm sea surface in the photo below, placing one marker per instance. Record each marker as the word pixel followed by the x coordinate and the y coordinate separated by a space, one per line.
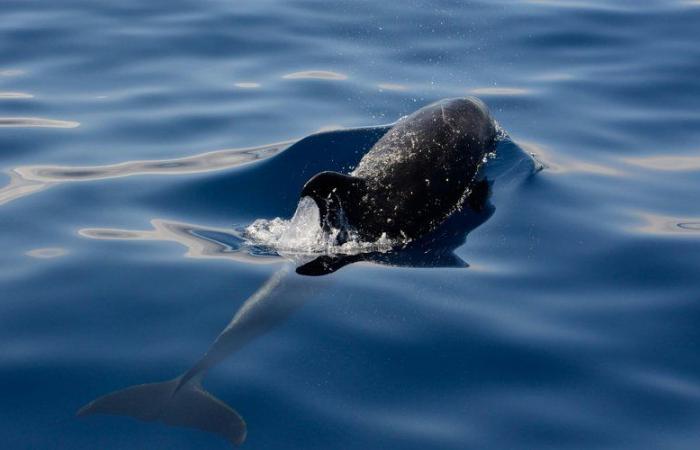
pixel 576 324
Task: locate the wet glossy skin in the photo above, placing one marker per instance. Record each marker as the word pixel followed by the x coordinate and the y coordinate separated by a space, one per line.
pixel 414 177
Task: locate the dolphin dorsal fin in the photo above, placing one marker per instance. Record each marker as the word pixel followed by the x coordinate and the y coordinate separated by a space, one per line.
pixel 337 196
pixel 322 185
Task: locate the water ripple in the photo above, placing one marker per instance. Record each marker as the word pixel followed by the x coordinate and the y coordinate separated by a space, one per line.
pixel 26 180
pixel 47 252
pixel 197 240
pixel 558 162
pixel 36 122
pixel 667 225
pixel 392 86
pixel 671 163
pixel 500 91
pixel 247 85
pixel 11 72
pixel 315 74
pixel 574 327
pixel 14 95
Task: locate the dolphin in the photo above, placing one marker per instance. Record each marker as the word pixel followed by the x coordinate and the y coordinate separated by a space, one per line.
pixel 414 179
pixel 183 402
pixel 417 175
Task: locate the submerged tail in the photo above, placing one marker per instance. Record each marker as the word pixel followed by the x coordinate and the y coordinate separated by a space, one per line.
pixel 173 403
pixel 182 401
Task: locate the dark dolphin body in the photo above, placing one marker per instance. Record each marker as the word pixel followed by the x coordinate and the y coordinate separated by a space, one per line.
pixel 413 178
pixel 409 182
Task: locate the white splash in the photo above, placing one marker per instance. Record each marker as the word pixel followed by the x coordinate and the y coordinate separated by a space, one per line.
pixel 303 235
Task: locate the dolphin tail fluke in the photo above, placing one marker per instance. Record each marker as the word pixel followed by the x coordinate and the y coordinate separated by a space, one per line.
pixel 186 405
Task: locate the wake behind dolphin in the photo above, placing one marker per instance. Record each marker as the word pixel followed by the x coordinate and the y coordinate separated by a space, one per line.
pixel 399 204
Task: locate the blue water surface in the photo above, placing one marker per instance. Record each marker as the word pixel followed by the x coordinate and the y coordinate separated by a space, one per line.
pixel 574 326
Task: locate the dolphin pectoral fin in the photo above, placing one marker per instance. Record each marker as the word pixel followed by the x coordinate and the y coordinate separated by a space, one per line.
pixel 188 405
pixel 326 264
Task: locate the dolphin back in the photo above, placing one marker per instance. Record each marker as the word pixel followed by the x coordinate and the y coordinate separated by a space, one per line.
pixel 422 170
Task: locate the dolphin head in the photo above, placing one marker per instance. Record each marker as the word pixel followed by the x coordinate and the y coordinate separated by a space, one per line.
pixel 468 115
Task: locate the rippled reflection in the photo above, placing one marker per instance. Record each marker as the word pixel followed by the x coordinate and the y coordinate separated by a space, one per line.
pixel 48 252
pixel 11 72
pixel 680 163
pixel 14 95
pixel 559 163
pixel 568 4
pixel 247 85
pixel 315 74
pixel 36 122
pixel 392 87
pixel 27 180
pixel 553 76
pixel 499 91
pixel 434 250
pixel 201 242
pixel 668 225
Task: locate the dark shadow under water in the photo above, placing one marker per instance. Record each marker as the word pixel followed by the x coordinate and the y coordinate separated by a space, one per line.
pixel 182 401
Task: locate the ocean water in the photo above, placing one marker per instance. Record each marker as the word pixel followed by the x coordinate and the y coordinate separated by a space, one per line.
pixel 137 140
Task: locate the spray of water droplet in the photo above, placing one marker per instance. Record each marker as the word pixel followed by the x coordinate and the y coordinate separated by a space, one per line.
pixel 303 235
